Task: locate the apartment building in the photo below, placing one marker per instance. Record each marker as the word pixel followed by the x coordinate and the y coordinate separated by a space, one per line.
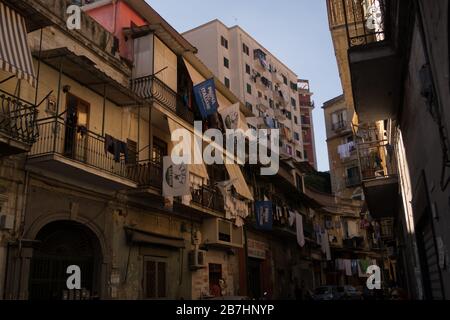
pixel 69 200
pixel 266 85
pixel 407 91
pixel 307 121
pixel 342 153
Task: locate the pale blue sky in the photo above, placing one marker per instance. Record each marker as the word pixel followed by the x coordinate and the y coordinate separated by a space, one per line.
pixel 296 31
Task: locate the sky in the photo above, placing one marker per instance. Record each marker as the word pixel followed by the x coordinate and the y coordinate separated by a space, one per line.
pixel 295 31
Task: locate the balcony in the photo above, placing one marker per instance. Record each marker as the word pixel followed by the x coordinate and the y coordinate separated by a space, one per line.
pixel 374 63
pixel 380 181
pixel 153 89
pixel 306 121
pixel 77 154
pixel 340 126
pixel 208 197
pixel 18 130
pixel 354 243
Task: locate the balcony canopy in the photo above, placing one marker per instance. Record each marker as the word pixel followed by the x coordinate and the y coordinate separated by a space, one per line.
pixel 15 54
pixel 85 71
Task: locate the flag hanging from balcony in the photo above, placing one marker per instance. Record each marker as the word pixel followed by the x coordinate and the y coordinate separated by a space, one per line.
pixel 15 54
pixel 264 215
pixel 232 118
pixel 175 179
pixel 205 96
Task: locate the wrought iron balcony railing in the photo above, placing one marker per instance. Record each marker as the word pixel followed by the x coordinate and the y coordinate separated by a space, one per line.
pixel 208 197
pixel 18 118
pixel 86 147
pixel 339 126
pixel 365 20
pixel 152 88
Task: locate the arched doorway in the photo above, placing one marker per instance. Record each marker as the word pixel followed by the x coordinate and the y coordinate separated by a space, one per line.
pixel 62 244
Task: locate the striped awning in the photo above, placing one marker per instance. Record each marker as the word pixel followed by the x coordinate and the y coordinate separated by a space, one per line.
pixel 15 54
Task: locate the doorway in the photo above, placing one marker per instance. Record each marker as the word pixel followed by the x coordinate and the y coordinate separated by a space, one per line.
pixel 62 244
pixel 76 132
pixel 254 278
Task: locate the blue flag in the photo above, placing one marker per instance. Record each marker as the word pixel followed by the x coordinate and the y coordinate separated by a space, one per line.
pixel 205 96
pixel 264 215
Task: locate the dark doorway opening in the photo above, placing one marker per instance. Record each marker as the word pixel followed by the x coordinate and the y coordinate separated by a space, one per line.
pixel 63 244
pixel 254 278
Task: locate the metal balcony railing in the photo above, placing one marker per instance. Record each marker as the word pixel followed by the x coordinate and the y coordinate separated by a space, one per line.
pixel 339 126
pixel 18 118
pixel 81 145
pixel 365 21
pixel 208 197
pixel 306 120
pixel 152 88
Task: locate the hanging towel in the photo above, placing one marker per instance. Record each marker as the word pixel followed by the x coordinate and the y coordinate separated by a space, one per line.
pixel 300 235
pixel 348 267
pixel 291 218
pixel 326 245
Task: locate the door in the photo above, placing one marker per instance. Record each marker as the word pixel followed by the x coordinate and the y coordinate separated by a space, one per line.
pixel 58 246
pixel 76 133
pixel 254 278
pixel 429 259
pixel 215 275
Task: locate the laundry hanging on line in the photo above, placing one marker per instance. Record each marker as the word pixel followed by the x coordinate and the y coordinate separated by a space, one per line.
pixel 116 148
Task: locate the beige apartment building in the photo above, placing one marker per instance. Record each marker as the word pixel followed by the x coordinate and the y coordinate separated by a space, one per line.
pixel 267 86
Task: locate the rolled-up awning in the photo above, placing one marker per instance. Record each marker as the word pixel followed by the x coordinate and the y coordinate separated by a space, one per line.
pixel 238 180
pixel 15 54
pixel 143 237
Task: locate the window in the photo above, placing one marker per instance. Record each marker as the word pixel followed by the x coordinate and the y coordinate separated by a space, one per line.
pixel 339 120
pixel 271 103
pixel 249 89
pixel 249 106
pixel 297 136
pixel 259 94
pixel 159 150
pixel 289 150
pixel 155 278
pixel 288 115
pixel 294 86
pixel 247 69
pixel 285 81
pixel 227 82
pixel 226 63
pixel 305 154
pixel 293 102
pixel 245 49
pixel 224 42
pixel 295 119
pixel 299 154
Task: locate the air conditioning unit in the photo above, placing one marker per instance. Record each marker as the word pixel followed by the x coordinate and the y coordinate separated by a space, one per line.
pixel 222 232
pixel 6 222
pixel 197 259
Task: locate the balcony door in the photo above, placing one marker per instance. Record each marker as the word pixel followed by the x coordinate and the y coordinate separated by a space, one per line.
pixel 76 132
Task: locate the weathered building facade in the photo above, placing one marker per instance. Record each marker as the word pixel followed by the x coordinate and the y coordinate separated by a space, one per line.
pixel 403 46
